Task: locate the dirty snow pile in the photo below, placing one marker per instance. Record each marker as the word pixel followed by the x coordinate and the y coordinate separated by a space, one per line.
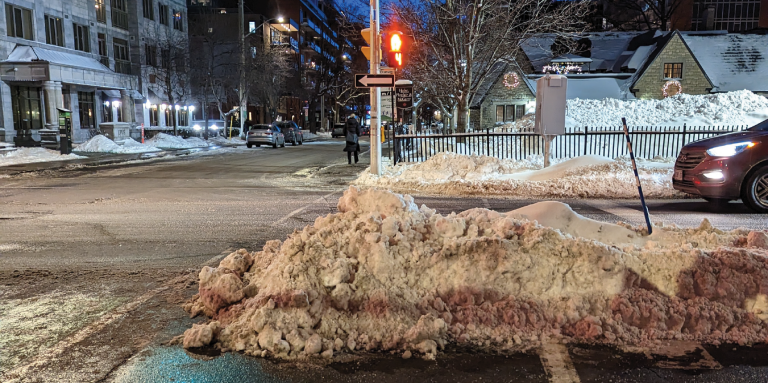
pixel 581 177
pixel 167 141
pixel 732 108
pixel 224 141
pixel 30 155
pixel 102 144
pixel 385 275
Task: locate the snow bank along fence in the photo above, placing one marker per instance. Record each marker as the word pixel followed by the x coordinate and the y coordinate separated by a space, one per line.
pixel 647 142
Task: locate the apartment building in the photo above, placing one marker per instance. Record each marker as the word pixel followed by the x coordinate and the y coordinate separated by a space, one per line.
pixel 81 55
pixel 726 15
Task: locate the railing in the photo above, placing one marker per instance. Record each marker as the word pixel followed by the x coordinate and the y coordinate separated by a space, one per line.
pixel 647 142
pixel 123 67
pixel 119 19
pixel 104 60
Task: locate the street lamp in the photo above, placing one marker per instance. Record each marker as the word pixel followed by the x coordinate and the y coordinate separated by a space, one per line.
pixel 241 92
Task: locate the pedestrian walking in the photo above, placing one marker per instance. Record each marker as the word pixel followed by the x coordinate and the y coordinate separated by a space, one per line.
pixel 352 134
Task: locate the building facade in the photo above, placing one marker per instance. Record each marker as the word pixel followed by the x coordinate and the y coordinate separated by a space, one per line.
pixel 727 15
pixel 80 55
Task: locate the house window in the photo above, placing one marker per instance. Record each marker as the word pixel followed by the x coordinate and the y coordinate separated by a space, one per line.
pixel 178 22
pixel 165 58
pixel 104 58
pixel 26 108
pixel 506 113
pixel 87 115
pixel 120 14
pixel 153 116
pixel 82 38
pixel 149 11
pixel 150 55
pixel 18 22
pixel 53 34
pixel 162 12
pixel 101 11
pixel 122 60
pixel 673 70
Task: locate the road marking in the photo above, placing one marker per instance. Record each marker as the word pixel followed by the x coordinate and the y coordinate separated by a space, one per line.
pixel 48 355
pixel 557 363
pixel 299 210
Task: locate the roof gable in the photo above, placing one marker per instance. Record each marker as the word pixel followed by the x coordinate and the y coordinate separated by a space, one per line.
pixel 732 61
pixel 663 45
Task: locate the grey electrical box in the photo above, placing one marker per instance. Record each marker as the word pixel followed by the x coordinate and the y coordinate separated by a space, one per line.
pixel 550 105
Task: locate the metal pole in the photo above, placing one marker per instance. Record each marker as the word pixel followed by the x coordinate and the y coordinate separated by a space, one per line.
pixel 375 92
pixel 637 176
pixel 241 88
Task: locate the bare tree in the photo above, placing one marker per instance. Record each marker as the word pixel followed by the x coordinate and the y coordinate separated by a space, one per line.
pixel 166 65
pixel 269 69
pixel 457 42
pixel 214 58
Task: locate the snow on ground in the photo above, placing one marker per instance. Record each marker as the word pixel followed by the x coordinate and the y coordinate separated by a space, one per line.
pixel 167 141
pixel 732 108
pixel 309 136
pixel 224 141
pixel 383 274
pixel 580 177
pixel 102 144
pixel 30 155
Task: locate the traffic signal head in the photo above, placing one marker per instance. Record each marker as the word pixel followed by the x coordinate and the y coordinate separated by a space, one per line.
pixel 367 37
pixel 396 55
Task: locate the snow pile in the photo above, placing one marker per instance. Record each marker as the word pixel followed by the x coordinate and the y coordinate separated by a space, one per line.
pixel 581 177
pixel 312 136
pixel 30 155
pixel 167 141
pixel 732 108
pixel 224 141
pixel 102 144
pixel 384 274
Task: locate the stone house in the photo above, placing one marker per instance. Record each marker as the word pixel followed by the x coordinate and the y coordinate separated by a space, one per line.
pixel 505 96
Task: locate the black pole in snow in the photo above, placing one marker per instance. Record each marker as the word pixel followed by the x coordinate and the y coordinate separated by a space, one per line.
pixel 637 176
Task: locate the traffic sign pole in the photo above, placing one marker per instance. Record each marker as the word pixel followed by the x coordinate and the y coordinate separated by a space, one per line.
pixel 375 91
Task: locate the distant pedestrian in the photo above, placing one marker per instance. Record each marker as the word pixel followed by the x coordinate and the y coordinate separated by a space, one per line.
pixel 352 134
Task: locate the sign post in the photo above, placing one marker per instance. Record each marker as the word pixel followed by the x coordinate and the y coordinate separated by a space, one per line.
pixel 376 81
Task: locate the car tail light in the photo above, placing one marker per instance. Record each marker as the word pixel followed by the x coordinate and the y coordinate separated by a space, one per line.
pixel 268 133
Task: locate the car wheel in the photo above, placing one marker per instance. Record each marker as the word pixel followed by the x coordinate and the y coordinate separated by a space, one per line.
pixel 301 142
pixel 249 145
pixel 293 142
pixel 755 193
pixel 258 145
pixel 274 145
pixel 283 145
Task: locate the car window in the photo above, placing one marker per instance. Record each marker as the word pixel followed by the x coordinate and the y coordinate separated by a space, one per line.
pixel 761 127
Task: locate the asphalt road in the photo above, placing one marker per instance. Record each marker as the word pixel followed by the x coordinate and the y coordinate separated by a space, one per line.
pixel 95 262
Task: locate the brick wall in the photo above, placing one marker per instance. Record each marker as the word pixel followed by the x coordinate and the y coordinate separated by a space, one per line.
pixel 694 81
pixel 500 95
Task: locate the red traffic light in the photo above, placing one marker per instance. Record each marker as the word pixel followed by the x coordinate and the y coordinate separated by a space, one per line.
pixel 396 50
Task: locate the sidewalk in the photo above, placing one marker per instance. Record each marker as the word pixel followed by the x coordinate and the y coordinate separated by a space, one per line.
pixel 93 159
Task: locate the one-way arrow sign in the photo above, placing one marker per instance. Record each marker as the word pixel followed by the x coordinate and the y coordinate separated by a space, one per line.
pixel 367 80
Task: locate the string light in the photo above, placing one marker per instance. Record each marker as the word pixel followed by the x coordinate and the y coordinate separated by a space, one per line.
pixel 665 88
pixel 511 80
pixel 561 69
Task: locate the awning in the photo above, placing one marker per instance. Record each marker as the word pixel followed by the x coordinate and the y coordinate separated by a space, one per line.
pixel 109 93
pixel 26 54
pixel 136 95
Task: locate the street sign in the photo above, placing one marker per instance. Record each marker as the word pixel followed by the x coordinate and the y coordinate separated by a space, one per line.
pixel 386 104
pixel 404 96
pixel 367 80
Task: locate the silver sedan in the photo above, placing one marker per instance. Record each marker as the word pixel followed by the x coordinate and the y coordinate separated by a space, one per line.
pixel 265 135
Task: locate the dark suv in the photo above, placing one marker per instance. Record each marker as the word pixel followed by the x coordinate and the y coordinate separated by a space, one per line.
pixel 727 167
pixel 292 132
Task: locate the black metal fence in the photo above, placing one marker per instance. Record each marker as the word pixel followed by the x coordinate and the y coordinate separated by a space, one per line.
pixel 647 142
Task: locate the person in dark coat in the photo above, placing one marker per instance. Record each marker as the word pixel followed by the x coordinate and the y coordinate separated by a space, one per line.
pixel 352 134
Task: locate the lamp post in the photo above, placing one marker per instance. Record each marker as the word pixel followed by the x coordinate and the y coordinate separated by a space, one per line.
pixel 241 90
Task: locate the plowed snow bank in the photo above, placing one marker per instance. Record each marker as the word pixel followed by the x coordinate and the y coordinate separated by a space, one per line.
pixel 580 177
pixel 384 274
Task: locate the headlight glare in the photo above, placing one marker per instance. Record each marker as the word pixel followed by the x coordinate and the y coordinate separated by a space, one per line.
pixel 730 149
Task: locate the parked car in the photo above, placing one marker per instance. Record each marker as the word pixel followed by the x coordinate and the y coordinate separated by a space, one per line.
pixel 261 134
pixel 338 130
pixel 214 127
pixel 727 167
pixel 365 130
pixel 292 132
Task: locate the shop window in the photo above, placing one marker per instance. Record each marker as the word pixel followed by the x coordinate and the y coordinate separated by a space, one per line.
pixel 85 101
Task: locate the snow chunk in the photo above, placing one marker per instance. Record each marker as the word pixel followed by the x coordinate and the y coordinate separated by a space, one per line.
pixel 102 144
pixel 167 141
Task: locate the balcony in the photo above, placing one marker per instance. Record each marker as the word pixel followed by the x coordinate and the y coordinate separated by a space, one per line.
pixel 310 26
pixel 312 47
pixel 119 19
pixel 123 67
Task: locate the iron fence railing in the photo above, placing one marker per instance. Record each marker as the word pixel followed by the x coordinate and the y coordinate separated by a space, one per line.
pixel 647 142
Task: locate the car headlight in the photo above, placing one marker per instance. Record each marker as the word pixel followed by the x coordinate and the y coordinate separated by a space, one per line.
pixel 730 149
pixel 197 127
pixel 214 127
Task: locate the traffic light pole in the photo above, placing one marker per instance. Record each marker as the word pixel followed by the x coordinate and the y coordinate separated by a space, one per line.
pixel 375 92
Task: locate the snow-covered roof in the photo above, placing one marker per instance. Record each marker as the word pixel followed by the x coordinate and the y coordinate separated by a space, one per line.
pixel 571 58
pixel 606 46
pixel 24 53
pixel 732 61
pixel 639 57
